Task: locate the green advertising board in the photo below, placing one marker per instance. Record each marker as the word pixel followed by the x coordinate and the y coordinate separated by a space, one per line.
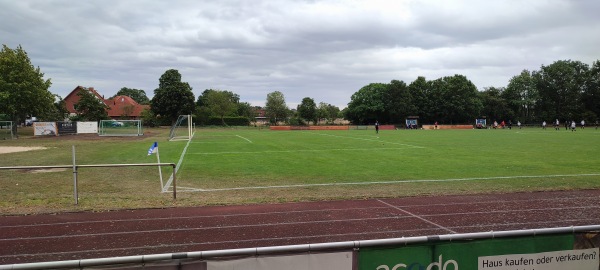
pixel 524 253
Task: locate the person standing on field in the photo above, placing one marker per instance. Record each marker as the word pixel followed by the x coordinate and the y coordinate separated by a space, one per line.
pixel 573 126
pixel 582 124
pixel 377 127
pixel 544 125
pixel 519 124
pixel 556 124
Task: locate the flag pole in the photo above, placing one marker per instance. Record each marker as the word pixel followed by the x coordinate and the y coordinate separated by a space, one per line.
pixel 159 169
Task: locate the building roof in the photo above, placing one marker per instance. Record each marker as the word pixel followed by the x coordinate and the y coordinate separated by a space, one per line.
pixel 119 106
pixel 124 106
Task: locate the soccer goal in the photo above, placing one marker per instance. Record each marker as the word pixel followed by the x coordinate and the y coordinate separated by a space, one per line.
pixel 120 128
pixel 183 129
pixel 6 132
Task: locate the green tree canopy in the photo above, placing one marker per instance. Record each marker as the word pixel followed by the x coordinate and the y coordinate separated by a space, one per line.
pixel 399 102
pixel 560 86
pixel 136 94
pixel 327 111
pixel 368 104
pixel 90 107
pixel 520 96
pixel 494 105
pixel 456 100
pixel 221 103
pixel 23 90
pixel 172 97
pixel 307 109
pixel 275 107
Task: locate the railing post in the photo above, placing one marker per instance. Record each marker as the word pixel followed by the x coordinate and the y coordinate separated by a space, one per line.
pixel 174 182
pixel 75 193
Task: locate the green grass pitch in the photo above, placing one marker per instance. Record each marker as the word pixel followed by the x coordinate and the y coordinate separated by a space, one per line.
pixel 239 166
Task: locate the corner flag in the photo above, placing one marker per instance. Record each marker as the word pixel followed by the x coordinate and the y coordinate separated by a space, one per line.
pixel 153 149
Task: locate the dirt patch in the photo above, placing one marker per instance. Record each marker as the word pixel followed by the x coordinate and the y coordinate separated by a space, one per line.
pixel 16 149
pixel 48 170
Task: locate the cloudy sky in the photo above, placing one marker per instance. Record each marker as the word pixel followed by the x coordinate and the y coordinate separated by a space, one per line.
pixel 326 50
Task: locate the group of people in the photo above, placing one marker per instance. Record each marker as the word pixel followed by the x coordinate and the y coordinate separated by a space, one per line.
pixel 568 125
pixel 503 124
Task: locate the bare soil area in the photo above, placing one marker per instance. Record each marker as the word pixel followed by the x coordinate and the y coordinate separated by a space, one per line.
pixel 15 149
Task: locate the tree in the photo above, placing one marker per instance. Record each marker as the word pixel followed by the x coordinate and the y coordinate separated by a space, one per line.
pixel 368 104
pixel 245 109
pixel 23 90
pixel 307 109
pixel 455 100
pixel 327 111
pixel 560 86
pixel 90 107
pixel 494 105
pixel 275 107
pixel 58 113
pixel 220 103
pixel 420 91
pixel 398 102
pixel 172 97
pixel 591 95
pixel 136 94
pixel 521 96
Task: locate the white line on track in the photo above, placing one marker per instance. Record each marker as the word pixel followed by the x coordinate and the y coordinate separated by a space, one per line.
pixel 330 210
pixel 398 182
pixel 409 215
pixel 418 217
pixel 369 234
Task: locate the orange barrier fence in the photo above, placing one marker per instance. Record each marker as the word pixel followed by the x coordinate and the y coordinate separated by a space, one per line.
pixel 448 127
pixel 308 127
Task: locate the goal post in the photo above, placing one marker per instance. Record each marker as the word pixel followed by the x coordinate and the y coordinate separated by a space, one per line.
pixel 182 129
pixel 6 130
pixel 120 128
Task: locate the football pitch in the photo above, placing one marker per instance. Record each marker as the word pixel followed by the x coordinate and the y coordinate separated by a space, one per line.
pixel 260 159
pixel 241 166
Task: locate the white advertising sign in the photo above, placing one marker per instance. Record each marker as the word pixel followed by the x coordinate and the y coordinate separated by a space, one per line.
pixel 313 261
pixel 583 259
pixel 87 127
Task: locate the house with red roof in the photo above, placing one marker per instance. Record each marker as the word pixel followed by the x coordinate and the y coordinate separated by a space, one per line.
pixel 119 107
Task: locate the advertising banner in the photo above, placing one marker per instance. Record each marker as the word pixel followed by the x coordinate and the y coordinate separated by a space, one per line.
pixel 328 261
pixel 524 253
pixel 87 127
pixel 44 129
pixel 586 259
pixel 66 127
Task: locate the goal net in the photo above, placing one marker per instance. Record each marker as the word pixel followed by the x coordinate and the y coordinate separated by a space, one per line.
pixel 183 129
pixel 120 128
pixel 6 132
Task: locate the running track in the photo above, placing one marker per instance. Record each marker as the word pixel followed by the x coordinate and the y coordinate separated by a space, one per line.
pixel 71 236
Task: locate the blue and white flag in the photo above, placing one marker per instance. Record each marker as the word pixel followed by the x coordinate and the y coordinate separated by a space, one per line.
pixel 153 148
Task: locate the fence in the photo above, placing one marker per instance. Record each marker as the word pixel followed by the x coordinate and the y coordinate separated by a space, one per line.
pixel 76 168
pixel 541 249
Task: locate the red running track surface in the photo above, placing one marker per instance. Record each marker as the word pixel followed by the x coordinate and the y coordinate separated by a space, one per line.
pixel 73 236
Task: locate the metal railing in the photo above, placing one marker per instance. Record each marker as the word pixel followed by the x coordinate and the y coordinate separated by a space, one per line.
pixel 76 167
pixel 292 249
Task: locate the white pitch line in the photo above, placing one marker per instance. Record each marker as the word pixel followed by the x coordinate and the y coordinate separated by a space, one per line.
pixel 363 139
pixel 298 150
pixel 401 182
pixel 244 138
